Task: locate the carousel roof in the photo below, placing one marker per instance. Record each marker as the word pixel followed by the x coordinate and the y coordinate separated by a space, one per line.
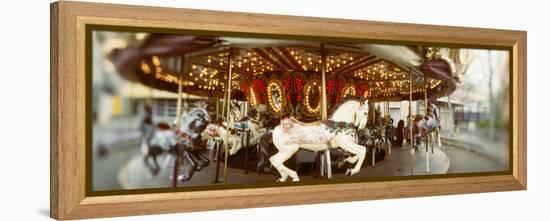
pixel 385 71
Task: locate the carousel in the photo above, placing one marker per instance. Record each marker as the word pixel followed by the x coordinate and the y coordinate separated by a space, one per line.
pixel 272 98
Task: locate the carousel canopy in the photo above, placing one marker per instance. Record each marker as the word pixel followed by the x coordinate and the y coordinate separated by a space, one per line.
pixel 201 65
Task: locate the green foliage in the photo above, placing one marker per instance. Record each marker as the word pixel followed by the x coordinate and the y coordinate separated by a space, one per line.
pixel 486 124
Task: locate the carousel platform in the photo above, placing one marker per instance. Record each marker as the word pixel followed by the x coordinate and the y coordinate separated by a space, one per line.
pixel 135 175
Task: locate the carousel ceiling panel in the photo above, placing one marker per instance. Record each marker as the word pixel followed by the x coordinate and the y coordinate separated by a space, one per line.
pixel 161 45
pixel 378 71
pixel 309 58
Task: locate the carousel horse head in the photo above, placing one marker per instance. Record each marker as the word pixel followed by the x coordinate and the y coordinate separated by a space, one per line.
pixel 235 112
pixel 194 123
pixel 357 106
pixel 257 114
pixel 362 115
pixel 433 110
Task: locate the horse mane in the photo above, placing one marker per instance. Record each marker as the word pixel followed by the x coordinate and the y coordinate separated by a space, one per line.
pixel 343 101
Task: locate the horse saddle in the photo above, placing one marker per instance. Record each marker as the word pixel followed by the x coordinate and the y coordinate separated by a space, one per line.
pixel 305 133
pixel 294 120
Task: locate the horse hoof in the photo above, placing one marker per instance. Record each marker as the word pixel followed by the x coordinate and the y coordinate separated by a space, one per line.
pixel 348 172
pixel 183 178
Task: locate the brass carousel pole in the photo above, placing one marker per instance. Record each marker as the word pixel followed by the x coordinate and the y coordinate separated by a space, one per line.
pixel 217 109
pixel 425 115
pixel 411 119
pixel 223 104
pixel 149 100
pixel 323 84
pixel 388 140
pixel 228 108
pixel 217 142
pixel 175 172
pixel 450 129
pixel 324 114
pixel 373 124
pixel 246 130
pixel 180 90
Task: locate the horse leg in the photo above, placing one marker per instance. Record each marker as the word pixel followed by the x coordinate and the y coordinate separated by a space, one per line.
pixel 235 147
pixel 263 154
pixel 157 167
pixel 417 140
pixel 166 161
pixel 432 141
pixel 204 159
pixel 278 160
pixel 261 160
pixel 187 157
pixel 359 151
pixel 355 149
pixel 152 152
pixel 352 159
pixel 197 159
pixel 292 173
pixel 263 149
pixel 146 162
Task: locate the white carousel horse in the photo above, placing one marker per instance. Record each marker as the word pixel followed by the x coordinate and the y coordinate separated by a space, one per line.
pixel 220 131
pixel 251 122
pixel 339 131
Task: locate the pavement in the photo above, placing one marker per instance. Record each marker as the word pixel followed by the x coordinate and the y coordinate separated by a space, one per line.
pixel 123 167
pixel 486 153
pixel 399 163
pixel 134 174
pixel 476 152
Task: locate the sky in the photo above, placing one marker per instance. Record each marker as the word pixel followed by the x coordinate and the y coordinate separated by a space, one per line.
pixel 477 75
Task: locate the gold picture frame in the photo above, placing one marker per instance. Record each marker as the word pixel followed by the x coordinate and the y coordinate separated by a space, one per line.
pixel 68 80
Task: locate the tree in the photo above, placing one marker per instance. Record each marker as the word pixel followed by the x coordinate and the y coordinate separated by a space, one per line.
pixel 492 112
